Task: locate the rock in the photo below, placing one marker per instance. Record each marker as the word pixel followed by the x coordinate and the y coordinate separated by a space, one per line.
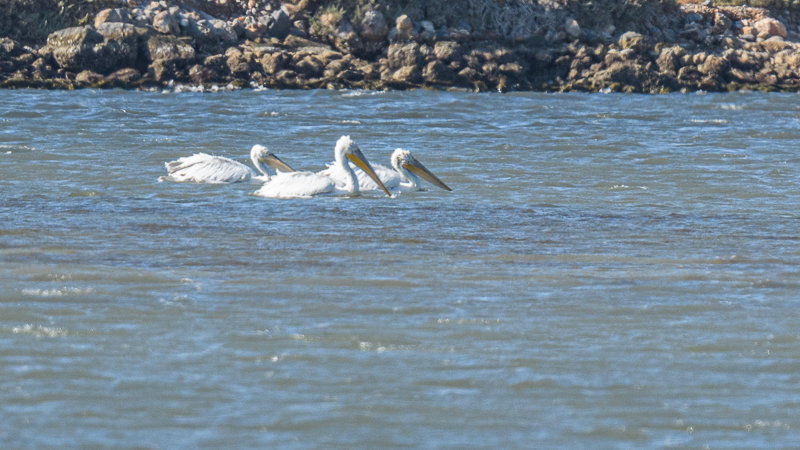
pixel 206 37
pixel 89 77
pixel 279 25
pixel 625 73
pixel 164 22
pixel 713 66
pixel 273 63
pixel 125 76
pixel 437 73
pixel 168 48
pixel 774 44
pixel 254 31
pixel 512 69
pixel 633 40
pixel 401 55
pixel 286 77
pixel 447 51
pixel 310 67
pixel 693 32
pixel 688 74
pixel 238 65
pixel 770 26
pixel 408 74
pixel 373 26
pixel 669 60
pixel 161 70
pixel 297 44
pixel 9 47
pixel 404 24
pixel 112 15
pixel 573 29
pixel 200 74
pixel 74 48
pixel 120 48
pixel 217 63
pixel 403 30
pixel 469 74
pixel 721 24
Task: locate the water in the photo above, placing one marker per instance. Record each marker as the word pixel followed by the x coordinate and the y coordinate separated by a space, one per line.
pixel 611 271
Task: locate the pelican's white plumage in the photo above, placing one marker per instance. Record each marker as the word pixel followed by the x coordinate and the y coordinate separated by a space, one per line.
pixel 405 175
pixel 309 184
pixel 205 168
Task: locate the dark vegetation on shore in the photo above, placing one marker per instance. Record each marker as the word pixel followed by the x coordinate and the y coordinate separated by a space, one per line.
pixel 547 45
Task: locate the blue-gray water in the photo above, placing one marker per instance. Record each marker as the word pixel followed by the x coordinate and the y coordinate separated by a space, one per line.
pixel 611 271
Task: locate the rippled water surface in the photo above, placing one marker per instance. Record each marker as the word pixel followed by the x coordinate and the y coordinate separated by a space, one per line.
pixel 611 271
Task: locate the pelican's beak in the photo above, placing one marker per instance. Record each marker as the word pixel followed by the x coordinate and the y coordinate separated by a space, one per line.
pixel 421 171
pixel 361 161
pixel 276 163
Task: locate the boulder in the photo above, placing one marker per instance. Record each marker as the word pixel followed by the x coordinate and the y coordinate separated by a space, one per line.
pixel 714 66
pixel 116 15
pixel 625 73
pixel 669 60
pixel 310 67
pixel 774 44
pixel 238 64
pixel 74 48
pixel 206 37
pixel 408 74
pixel 280 25
pixel 447 51
pixel 9 48
pixel 200 74
pixel 168 48
pixel 162 70
pixel 89 77
pixel 164 22
pixel 573 29
pixel 633 40
pixel 770 26
pixel 373 26
pixel 273 63
pixel 125 76
pixel 437 73
pixel 402 55
pixel 113 46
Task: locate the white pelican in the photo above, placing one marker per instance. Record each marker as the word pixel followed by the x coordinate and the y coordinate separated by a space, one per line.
pixel 405 176
pixel 309 184
pixel 205 168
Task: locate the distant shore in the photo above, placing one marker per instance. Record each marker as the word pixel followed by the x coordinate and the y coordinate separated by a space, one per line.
pixel 506 46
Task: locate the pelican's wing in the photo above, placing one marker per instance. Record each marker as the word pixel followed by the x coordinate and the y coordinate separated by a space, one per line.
pixel 297 185
pixel 336 173
pixel 390 178
pixel 204 168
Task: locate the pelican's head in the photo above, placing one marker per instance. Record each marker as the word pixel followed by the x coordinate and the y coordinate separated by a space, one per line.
pixel 260 154
pixel 346 148
pixel 404 162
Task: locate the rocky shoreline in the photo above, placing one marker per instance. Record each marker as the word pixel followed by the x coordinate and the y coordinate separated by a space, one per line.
pixel 289 46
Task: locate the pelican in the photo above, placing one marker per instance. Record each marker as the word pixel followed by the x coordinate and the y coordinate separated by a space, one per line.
pixel 205 168
pixel 309 184
pixel 405 176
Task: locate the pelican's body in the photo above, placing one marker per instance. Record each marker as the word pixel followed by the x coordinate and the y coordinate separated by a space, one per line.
pixel 309 184
pixel 405 175
pixel 205 168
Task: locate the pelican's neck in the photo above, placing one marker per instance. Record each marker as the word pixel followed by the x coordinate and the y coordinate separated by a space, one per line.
pixel 413 180
pixel 261 167
pixel 351 179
